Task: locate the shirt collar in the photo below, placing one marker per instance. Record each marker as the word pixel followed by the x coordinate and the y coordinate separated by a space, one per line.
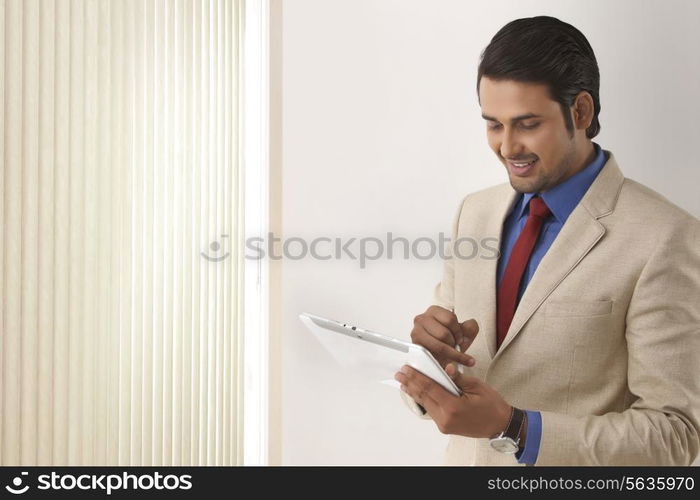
pixel 563 198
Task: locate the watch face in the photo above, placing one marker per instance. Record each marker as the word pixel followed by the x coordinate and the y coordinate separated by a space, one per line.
pixel 504 445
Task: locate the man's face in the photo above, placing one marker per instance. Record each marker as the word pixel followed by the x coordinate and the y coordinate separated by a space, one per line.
pixel 526 130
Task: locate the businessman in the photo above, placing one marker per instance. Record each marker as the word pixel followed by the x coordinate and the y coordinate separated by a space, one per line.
pixel 580 344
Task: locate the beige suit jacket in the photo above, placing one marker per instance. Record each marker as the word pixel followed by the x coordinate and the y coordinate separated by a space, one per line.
pixel 605 341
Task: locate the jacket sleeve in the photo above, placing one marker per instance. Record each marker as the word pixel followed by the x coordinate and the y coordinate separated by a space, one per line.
pixel 662 424
pixel 443 296
pixel 443 293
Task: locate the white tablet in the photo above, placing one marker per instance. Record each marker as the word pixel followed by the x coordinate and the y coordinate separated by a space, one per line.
pixel 374 355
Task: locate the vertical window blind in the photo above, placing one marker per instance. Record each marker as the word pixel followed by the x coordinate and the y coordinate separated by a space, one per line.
pixel 119 253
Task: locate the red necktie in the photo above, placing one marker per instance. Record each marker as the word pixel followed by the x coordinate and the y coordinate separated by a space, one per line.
pixel 519 257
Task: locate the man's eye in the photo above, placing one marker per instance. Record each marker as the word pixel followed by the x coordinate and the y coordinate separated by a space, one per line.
pixel 530 126
pixel 494 126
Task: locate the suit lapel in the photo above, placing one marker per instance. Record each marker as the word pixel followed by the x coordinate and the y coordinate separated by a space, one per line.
pixel 577 237
pixel 486 269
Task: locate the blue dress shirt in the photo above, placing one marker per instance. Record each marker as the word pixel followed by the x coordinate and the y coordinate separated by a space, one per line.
pixel 561 200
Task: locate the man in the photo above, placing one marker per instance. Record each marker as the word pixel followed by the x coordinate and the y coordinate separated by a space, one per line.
pixel 582 345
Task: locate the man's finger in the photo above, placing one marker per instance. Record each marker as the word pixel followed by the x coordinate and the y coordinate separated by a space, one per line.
pixel 470 328
pixel 466 383
pixel 448 319
pixel 423 387
pixel 442 350
pixel 431 406
pixel 410 387
pixel 436 329
pixel 416 383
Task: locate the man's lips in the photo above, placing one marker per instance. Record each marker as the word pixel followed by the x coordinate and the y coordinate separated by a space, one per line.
pixel 521 168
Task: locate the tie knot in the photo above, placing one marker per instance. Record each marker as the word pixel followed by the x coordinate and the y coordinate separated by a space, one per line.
pixel 538 208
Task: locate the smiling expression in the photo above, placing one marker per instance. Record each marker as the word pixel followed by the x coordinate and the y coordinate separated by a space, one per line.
pixel 525 127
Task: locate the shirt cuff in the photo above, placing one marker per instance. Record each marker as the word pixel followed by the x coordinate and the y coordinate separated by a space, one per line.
pixel 532 441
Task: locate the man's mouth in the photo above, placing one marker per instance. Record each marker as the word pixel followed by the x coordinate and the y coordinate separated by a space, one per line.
pixel 521 168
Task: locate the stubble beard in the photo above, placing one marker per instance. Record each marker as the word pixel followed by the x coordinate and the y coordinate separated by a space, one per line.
pixel 542 180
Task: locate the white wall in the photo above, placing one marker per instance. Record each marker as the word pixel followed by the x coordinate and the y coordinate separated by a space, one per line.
pixel 382 132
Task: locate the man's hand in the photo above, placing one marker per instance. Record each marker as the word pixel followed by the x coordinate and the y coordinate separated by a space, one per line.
pixel 438 330
pixel 480 412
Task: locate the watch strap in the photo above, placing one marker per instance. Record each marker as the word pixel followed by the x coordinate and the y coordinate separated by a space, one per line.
pixel 515 424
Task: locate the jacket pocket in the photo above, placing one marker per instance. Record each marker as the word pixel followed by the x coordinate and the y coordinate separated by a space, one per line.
pixel 584 335
pixel 578 308
pixel 575 323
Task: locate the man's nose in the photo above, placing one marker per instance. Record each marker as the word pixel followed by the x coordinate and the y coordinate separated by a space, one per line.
pixel 509 145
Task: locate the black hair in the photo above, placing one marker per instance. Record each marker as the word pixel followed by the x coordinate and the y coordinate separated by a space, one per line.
pixel 545 50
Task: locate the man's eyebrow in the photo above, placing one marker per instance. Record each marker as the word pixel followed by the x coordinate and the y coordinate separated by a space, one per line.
pixel 518 118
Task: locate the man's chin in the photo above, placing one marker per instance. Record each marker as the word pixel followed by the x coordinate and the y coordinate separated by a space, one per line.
pixel 525 185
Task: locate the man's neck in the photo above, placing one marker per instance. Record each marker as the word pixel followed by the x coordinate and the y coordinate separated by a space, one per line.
pixel 588 154
pixel 585 157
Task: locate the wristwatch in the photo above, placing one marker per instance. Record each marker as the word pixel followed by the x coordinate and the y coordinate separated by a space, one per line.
pixel 508 441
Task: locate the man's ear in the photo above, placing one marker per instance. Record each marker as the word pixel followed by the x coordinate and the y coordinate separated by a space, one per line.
pixel 582 110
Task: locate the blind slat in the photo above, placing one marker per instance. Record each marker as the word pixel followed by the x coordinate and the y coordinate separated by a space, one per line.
pixel 120 174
